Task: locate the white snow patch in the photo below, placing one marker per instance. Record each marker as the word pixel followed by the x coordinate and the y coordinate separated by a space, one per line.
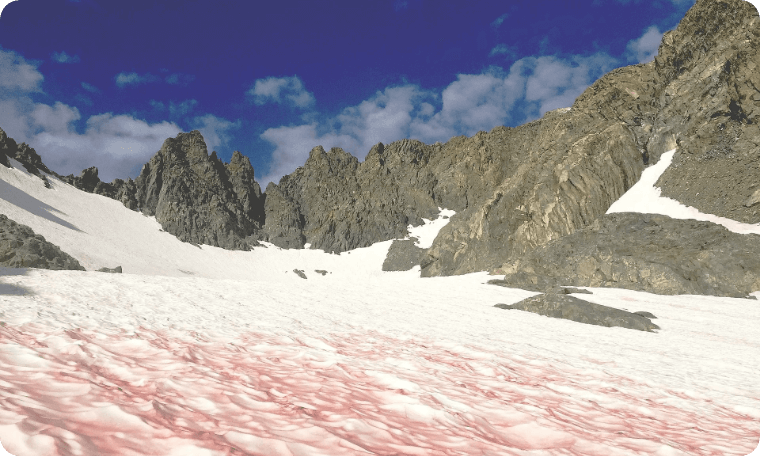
pixel 428 231
pixel 645 198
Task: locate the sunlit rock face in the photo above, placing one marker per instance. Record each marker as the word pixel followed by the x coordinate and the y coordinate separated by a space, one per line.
pixel 699 96
pixel 644 252
pixel 707 100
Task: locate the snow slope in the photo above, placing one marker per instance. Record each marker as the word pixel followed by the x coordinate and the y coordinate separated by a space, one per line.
pixel 201 351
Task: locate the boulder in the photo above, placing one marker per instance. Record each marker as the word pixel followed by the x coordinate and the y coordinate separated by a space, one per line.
pixel 571 308
pixel 20 247
pixel 644 252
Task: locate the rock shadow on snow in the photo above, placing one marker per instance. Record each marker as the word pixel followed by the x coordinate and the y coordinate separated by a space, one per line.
pixel 31 204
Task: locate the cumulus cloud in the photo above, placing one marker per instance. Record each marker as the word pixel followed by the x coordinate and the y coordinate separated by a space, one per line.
pixel 18 74
pixel 124 79
pixel 117 144
pixel 556 83
pixel 288 90
pixel 644 49
pixel 63 57
pixel 474 102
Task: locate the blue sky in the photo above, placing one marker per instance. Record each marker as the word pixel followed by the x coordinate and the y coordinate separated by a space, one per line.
pixel 103 83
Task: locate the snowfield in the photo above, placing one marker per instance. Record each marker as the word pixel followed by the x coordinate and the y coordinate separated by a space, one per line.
pixel 195 350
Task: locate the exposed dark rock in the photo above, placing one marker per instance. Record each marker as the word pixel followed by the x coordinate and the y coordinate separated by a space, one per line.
pixel 22 153
pixel 198 198
pixel 21 248
pixel 708 102
pixel 571 308
pixel 116 270
pixel 321 271
pixel 284 227
pixel 403 255
pixel 644 252
pixel 646 314
pixel 300 273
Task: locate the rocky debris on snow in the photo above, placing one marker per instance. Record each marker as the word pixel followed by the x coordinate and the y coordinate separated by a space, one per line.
pixel 321 271
pixel 559 305
pixel 300 273
pixel 403 255
pixel 644 252
pixel 21 248
pixel 116 270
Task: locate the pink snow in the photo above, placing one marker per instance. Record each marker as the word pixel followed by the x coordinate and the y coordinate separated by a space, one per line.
pixel 201 351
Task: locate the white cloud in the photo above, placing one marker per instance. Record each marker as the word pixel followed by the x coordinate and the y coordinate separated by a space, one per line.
pixel 63 57
pixel 181 109
pixel 117 144
pixel 215 130
pixel 502 49
pixel 124 79
pixel 499 20
pixel 556 83
pixel 17 74
pixel 157 105
pixel 90 88
pixel 644 49
pixel 281 90
pixel 179 79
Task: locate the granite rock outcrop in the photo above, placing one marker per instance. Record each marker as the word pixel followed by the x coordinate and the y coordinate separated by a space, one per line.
pixel 643 252
pixel 707 99
pixel 20 247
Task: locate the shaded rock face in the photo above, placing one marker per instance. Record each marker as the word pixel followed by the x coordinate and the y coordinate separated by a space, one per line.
pixel 707 98
pixel 198 198
pixel 644 252
pixel 345 204
pixel 571 308
pixel 285 223
pixel 21 248
pixel 403 255
pixel 22 153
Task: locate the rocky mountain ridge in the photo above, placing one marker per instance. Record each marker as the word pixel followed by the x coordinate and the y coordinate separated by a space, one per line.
pixel 515 190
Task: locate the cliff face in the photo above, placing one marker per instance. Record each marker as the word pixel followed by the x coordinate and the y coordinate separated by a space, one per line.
pixel 708 99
